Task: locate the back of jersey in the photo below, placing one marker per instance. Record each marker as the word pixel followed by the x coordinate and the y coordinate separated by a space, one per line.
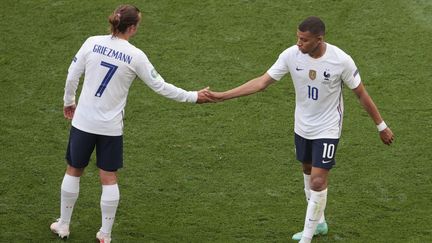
pixel 107 63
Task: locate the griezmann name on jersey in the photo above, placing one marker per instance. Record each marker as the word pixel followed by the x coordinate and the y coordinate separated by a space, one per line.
pixel 109 65
pixel 106 51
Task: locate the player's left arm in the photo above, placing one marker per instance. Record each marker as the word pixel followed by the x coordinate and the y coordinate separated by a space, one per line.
pixel 366 101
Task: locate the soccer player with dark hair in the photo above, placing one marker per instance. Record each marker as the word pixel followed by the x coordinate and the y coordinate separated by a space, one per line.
pixel 110 64
pixel 318 71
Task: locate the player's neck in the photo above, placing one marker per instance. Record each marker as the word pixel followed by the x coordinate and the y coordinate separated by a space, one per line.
pixel 123 36
pixel 319 51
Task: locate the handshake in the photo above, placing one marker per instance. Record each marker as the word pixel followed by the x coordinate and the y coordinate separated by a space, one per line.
pixel 250 87
pixel 207 96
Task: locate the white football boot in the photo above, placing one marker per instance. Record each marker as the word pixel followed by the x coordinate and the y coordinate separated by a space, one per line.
pixel 62 230
pixel 103 238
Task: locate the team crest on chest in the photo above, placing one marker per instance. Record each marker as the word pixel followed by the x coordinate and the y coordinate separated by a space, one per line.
pixel 312 74
pixel 327 75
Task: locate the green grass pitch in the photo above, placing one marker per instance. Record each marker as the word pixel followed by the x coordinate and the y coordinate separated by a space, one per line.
pixel 219 172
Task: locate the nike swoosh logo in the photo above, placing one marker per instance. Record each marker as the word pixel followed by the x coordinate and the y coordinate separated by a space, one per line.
pixel 326 161
pixel 299 69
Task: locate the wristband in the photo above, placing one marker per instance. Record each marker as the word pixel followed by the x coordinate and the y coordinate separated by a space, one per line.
pixel 382 126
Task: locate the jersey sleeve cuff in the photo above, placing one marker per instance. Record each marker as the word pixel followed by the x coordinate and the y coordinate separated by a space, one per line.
pixel 68 102
pixel 273 76
pixel 193 97
pixel 356 83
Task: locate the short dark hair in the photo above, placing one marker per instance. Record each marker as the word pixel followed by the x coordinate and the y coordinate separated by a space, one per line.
pixel 312 24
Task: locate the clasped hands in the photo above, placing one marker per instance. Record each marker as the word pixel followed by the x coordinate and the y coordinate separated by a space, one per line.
pixel 206 96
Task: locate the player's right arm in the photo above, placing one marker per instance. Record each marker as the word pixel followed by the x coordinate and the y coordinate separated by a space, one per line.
pixel 276 72
pixel 248 88
pixel 76 69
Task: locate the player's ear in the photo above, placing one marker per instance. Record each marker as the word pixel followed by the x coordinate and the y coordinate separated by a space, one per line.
pixel 132 29
pixel 320 38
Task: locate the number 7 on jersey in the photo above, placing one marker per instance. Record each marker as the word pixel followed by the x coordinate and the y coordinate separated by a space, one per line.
pixel 111 70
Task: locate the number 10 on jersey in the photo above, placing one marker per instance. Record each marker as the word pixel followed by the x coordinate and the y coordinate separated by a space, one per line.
pixel 312 92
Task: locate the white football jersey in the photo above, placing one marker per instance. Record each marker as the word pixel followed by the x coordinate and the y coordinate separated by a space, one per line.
pixel 318 86
pixel 110 64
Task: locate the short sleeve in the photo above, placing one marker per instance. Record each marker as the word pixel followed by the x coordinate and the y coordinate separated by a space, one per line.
pixel 350 74
pixel 280 67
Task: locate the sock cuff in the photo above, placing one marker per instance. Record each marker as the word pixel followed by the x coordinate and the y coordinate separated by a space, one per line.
pixel 319 194
pixel 307 193
pixel 306 181
pixel 109 203
pixel 70 184
pixel 110 193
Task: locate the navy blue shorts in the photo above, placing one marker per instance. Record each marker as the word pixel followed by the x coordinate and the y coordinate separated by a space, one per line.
pixel 320 152
pixel 109 150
